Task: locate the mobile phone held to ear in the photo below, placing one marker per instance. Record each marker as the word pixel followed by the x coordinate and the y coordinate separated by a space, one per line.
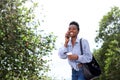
pixel 67 36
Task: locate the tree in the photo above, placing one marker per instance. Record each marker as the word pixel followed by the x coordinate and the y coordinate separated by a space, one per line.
pixel 109 35
pixel 22 50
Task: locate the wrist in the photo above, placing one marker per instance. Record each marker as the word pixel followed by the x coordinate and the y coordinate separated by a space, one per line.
pixel 77 57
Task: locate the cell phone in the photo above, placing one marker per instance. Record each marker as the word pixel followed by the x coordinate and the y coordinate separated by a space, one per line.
pixel 68 36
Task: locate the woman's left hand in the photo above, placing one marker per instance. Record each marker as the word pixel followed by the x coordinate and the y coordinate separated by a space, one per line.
pixel 73 57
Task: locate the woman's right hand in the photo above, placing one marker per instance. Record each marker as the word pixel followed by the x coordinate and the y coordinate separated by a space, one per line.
pixel 67 36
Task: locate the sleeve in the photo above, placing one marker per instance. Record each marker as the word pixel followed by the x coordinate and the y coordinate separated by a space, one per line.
pixel 87 55
pixel 62 52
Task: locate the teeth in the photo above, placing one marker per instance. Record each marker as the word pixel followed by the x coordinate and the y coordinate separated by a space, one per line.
pixel 71 33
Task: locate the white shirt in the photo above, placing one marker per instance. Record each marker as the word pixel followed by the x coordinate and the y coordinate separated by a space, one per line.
pixel 86 57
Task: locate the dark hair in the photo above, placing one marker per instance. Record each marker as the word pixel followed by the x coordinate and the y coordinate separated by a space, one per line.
pixel 75 23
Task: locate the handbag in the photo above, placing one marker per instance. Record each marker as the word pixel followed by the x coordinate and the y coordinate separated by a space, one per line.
pixel 92 69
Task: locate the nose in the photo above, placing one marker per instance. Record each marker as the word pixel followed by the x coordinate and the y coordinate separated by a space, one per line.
pixel 71 30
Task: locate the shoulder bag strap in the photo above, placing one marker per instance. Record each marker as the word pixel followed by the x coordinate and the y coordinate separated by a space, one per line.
pixel 81 46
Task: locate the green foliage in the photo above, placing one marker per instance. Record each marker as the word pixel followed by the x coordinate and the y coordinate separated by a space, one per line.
pixel 109 25
pixel 109 35
pixel 22 50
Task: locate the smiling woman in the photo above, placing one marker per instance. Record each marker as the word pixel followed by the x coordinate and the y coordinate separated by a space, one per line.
pixel 71 45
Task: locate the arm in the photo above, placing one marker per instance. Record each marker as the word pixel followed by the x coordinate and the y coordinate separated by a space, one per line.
pixel 62 52
pixel 87 55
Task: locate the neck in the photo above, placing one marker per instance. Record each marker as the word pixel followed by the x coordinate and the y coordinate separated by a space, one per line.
pixel 73 40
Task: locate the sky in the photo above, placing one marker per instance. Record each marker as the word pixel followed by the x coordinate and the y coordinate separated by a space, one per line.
pixel 55 16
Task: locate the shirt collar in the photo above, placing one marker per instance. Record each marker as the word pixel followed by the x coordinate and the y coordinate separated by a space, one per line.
pixel 77 41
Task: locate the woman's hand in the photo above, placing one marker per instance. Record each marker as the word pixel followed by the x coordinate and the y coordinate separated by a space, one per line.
pixel 67 36
pixel 73 57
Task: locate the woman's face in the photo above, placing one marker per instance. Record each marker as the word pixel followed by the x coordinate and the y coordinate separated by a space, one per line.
pixel 73 31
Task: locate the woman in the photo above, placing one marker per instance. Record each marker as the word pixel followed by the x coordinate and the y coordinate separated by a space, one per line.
pixel 71 51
